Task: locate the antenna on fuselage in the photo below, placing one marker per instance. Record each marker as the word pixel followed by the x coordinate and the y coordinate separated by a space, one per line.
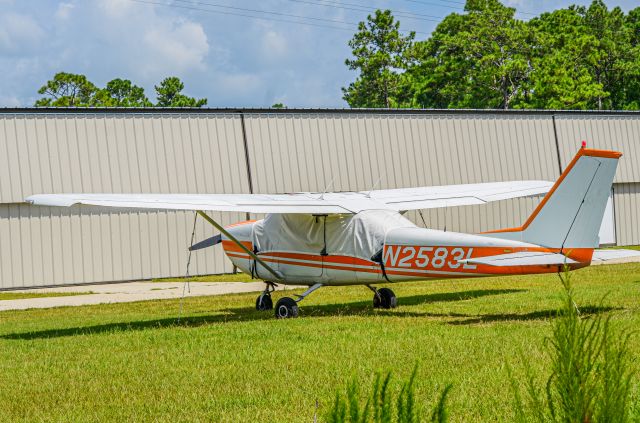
pixel 327 188
pixel 374 186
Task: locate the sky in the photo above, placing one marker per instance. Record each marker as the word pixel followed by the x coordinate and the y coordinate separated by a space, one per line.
pixel 231 52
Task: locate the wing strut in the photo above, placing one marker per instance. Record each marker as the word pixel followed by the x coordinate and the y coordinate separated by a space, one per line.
pixel 239 244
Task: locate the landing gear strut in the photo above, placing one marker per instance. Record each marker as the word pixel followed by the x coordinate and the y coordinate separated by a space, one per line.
pixel 288 307
pixel 264 302
pixel 383 298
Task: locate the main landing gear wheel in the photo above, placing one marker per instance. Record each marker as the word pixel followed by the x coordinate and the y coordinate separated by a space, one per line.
pixel 264 302
pixel 286 308
pixel 384 298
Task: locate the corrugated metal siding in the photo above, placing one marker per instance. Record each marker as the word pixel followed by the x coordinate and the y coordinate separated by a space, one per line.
pixel 49 246
pixel 626 203
pixel 120 154
pixel 353 152
pixel 476 219
pixel 608 132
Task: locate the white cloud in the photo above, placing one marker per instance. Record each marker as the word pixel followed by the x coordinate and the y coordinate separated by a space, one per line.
pixel 233 61
pixel 10 101
pixel 116 8
pixel 19 33
pixel 143 42
pixel 182 46
pixel 64 11
pixel 274 45
pixel 238 84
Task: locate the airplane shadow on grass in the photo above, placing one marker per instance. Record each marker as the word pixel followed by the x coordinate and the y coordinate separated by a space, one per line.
pixel 359 308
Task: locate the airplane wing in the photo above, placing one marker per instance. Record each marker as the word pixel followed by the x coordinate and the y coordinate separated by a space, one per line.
pixel 401 199
pixel 253 203
pixel 458 195
pixel 522 259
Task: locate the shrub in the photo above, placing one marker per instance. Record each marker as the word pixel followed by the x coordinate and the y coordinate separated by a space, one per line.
pixel 590 378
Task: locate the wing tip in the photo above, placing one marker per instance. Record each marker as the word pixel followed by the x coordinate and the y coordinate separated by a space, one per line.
pixel 57 200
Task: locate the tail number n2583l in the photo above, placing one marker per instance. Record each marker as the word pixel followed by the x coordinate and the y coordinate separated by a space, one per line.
pixel 410 256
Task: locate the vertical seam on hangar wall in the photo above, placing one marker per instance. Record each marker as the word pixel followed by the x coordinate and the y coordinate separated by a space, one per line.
pixel 555 138
pixel 613 211
pixel 247 159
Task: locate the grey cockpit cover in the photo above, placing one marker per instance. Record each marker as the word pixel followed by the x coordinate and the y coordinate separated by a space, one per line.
pixel 357 235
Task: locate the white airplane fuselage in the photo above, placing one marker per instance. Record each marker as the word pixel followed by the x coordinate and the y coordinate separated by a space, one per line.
pixel 409 253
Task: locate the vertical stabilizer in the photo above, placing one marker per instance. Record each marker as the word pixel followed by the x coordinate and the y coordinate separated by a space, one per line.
pixel 570 215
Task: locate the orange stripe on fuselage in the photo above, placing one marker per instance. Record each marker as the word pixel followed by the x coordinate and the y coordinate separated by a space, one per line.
pixel 347 263
pixel 230 246
pixel 317 264
pixel 407 257
pixel 482 270
pixel 244 222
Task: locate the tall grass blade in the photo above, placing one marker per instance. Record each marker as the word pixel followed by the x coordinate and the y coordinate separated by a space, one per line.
pixel 379 406
pixel 439 413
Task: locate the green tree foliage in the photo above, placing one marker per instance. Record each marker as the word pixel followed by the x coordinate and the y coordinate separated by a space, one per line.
pixel 379 54
pixel 562 78
pixel 169 94
pixel 74 90
pixel 476 60
pixel 278 106
pixel 574 58
pixel 586 59
pixel 68 90
pixel 123 93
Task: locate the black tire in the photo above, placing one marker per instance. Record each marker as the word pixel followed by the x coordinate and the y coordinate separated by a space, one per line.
pixel 286 308
pixel 385 298
pixel 264 302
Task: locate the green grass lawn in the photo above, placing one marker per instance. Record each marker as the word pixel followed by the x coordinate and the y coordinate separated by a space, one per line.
pixel 227 362
pixel 9 295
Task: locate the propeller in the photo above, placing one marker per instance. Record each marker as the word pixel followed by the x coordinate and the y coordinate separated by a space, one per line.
pixel 209 242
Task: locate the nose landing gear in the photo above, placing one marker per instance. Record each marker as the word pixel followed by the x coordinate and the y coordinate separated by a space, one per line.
pixel 383 298
pixel 288 307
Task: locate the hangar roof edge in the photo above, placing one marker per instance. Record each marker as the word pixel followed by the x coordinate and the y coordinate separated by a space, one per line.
pixel 231 110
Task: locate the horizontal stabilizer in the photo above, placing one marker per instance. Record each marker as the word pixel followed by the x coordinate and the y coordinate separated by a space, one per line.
pixel 522 259
pixel 209 242
pixel 605 255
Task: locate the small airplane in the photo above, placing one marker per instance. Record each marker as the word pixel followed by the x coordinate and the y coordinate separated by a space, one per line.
pixel 362 238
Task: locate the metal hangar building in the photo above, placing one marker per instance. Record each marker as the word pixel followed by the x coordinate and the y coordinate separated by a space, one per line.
pixel 267 151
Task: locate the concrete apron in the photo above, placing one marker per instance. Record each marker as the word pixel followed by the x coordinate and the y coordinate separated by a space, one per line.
pixel 130 292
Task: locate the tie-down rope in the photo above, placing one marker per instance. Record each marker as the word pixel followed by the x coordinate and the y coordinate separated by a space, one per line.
pixel 187 285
